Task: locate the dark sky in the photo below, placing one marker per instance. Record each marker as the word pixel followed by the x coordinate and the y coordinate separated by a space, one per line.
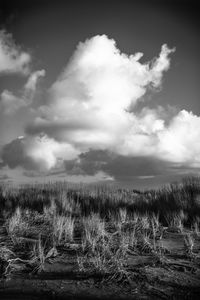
pixel 50 31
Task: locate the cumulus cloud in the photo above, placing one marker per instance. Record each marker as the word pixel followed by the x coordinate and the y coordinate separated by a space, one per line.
pixel 38 153
pixel 10 103
pixel 12 58
pixel 117 166
pixel 91 108
pixel 126 168
pixel 100 77
pixel 89 102
pixel 180 141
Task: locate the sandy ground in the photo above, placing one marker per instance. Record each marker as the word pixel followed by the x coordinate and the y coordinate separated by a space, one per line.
pixel 174 276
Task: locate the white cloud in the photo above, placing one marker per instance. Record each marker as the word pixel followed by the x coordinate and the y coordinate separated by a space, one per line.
pixel 12 58
pixel 88 109
pixel 146 177
pixel 180 141
pixel 47 151
pixel 161 64
pixel 33 79
pixel 9 103
pixel 88 103
pixel 41 153
pixel 100 77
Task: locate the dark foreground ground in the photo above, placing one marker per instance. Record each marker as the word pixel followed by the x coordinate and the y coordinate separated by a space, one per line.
pixel 170 276
pixel 58 242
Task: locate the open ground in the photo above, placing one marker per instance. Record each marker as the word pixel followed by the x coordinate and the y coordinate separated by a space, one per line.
pixel 61 240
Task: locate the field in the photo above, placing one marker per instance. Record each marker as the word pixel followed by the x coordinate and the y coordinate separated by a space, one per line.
pixel 64 241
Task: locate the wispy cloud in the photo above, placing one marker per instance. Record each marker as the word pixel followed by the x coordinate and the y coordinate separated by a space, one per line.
pixel 10 103
pixel 12 58
pixel 146 177
pixel 4 177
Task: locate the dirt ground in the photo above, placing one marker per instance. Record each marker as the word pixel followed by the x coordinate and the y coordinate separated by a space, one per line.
pixel 173 275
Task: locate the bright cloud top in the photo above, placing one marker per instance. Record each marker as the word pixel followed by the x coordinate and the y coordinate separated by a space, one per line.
pixel 89 102
pixel 101 78
pixel 91 107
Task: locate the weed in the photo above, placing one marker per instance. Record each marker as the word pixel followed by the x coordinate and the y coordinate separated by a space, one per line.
pixel 175 220
pixel 94 229
pixel 196 227
pixel 188 243
pixel 38 255
pixel 63 229
pixel 17 225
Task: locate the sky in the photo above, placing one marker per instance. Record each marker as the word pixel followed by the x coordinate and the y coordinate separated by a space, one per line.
pixel 99 91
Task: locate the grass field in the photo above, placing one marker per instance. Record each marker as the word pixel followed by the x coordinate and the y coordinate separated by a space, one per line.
pixel 91 241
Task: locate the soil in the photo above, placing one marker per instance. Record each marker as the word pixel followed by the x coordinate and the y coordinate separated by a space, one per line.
pixel 174 275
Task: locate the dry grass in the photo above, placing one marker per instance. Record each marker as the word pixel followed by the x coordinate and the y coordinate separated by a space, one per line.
pixel 38 255
pixel 68 205
pixel 105 256
pixel 50 211
pixel 189 243
pixel 63 229
pixel 196 227
pixel 17 225
pixel 93 230
pixel 111 223
pixel 175 220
